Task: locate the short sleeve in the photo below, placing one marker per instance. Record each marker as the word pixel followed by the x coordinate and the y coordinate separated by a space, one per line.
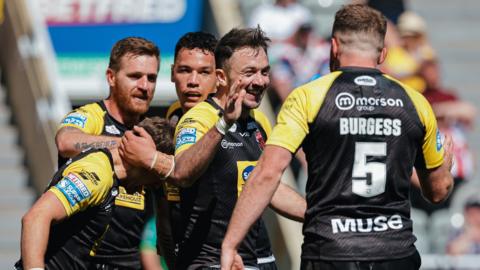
pixel 88 118
pixel 292 124
pixel 193 125
pixel 86 182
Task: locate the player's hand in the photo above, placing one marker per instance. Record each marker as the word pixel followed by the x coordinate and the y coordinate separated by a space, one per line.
pixel 137 148
pixel 448 152
pixel 233 107
pixel 230 260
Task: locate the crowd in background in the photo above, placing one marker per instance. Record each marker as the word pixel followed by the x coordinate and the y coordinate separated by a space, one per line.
pixel 298 54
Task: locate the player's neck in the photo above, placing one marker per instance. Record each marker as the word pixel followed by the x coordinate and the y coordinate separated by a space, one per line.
pixel 354 60
pixel 122 117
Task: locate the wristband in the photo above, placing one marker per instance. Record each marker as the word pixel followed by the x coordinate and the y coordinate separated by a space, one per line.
pixel 171 168
pixel 222 126
pixel 154 160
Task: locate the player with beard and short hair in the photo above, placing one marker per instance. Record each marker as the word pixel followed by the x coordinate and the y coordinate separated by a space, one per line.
pixel 217 145
pixel 131 76
pixel 362 132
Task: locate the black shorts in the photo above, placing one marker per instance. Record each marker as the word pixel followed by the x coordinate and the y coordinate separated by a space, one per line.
pixel 411 262
pixel 268 266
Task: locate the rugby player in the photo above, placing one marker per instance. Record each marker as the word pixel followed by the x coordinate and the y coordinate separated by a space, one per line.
pixel 217 147
pixel 362 132
pixel 131 76
pixel 65 227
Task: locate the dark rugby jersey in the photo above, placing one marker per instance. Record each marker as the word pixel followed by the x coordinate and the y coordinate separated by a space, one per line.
pixel 362 133
pixel 86 187
pixel 120 245
pixel 207 206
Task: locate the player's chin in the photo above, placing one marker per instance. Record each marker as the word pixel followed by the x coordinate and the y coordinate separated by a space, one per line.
pixel 251 104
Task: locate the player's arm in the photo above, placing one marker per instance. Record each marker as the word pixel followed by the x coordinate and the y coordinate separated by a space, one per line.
pixel 187 165
pixel 71 141
pixel 256 195
pixel 292 208
pixel 36 228
pixel 437 183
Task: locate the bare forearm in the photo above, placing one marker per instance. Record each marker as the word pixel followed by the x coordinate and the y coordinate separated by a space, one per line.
pixel 71 141
pixel 288 203
pixel 34 240
pixel 436 184
pixel 192 162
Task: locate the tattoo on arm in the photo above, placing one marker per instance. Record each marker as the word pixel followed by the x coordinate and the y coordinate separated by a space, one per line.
pixel 95 145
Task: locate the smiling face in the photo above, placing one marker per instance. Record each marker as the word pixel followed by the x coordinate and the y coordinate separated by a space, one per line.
pixel 133 85
pixel 250 65
pixel 194 76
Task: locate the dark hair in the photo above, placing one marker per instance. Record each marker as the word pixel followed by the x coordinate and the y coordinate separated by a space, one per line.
pixel 199 40
pixel 162 132
pixel 134 46
pixel 369 23
pixel 237 39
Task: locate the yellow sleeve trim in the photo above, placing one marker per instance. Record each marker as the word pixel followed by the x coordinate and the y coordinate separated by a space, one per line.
pixel 299 110
pixel 432 147
pixel 193 125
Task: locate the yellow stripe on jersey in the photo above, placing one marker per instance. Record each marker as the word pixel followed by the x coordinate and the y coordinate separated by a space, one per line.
pixel 432 147
pixel 299 109
pixel 86 182
pixel 88 118
pixel 193 125
pixel 262 120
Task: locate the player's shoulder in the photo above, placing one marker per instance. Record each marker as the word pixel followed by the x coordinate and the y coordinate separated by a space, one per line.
pixel 94 107
pixel 320 84
pixel 412 93
pixel 98 158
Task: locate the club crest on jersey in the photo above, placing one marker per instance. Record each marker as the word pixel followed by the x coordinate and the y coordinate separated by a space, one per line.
pixel 365 80
pixel 186 136
pixel 75 119
pixel 439 141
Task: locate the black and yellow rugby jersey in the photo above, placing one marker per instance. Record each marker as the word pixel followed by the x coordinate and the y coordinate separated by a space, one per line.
pixel 362 133
pixel 120 245
pixel 86 186
pixel 207 206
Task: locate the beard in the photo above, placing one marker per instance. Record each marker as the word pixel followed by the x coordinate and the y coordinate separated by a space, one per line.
pixel 129 106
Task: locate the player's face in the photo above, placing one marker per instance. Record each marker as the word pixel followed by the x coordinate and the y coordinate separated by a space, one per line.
pixel 250 65
pixel 194 76
pixel 133 85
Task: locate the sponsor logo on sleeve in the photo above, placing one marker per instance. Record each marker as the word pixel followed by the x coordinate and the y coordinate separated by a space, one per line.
pixel 439 141
pixel 75 119
pixel 186 136
pixel 74 189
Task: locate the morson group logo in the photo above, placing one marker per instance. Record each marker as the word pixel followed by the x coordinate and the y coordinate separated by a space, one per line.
pixel 346 101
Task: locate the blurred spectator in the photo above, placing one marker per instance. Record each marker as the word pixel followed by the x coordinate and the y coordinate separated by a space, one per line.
pixel 408 48
pixel 148 248
pixel 455 118
pixel 297 59
pixel 466 240
pixel 280 19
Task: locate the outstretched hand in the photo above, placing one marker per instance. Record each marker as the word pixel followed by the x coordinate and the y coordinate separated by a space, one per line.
pixel 137 147
pixel 233 107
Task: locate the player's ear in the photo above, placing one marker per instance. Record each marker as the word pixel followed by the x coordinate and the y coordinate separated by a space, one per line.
pixel 110 74
pixel 221 77
pixel 382 56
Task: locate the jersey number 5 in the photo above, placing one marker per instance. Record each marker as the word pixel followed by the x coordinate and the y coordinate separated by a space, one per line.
pixel 369 178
